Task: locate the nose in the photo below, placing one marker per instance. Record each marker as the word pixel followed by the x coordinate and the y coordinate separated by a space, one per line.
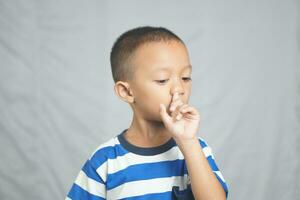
pixel 177 87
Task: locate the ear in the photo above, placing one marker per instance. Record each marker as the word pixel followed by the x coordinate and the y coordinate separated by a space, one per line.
pixel 123 90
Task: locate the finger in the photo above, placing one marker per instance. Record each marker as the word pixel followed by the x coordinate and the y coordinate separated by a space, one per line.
pixel 178 109
pixel 190 110
pixel 176 101
pixel 179 116
pixel 183 107
pixel 164 115
pixel 175 104
pixel 176 112
pixel 175 96
pixel 179 113
pixel 173 100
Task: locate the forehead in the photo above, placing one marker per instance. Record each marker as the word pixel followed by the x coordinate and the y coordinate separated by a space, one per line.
pixel 161 57
pixel 167 69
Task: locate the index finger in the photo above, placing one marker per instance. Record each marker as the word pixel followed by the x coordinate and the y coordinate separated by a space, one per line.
pixel 175 96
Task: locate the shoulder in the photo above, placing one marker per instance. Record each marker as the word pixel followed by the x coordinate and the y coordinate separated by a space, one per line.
pixel 106 146
pixel 102 154
pixel 107 150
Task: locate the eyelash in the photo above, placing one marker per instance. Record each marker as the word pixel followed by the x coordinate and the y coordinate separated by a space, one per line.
pixel 165 80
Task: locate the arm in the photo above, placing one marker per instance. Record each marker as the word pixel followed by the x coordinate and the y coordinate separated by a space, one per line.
pixel 204 183
pixel 88 185
pixel 183 124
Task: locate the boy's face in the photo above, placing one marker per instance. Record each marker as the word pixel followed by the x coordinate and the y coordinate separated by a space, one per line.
pixel 160 69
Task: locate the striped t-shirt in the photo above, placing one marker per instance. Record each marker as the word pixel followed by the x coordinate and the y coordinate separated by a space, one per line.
pixel 120 170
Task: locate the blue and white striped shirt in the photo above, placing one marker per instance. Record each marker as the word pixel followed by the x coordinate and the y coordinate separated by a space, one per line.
pixel 120 170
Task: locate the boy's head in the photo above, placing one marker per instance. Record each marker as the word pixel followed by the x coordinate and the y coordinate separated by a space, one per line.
pixel 148 65
pixel 123 50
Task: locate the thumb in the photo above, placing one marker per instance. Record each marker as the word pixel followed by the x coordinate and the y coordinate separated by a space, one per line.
pixel 167 120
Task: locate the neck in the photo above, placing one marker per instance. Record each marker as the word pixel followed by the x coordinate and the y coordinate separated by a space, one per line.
pixel 146 133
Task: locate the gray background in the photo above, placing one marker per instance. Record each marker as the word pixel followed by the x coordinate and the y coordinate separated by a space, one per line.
pixel 57 102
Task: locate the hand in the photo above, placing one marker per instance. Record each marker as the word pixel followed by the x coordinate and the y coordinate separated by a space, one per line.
pixel 183 123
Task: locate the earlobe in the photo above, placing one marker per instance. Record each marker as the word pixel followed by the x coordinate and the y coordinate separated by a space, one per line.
pixel 123 91
pixel 130 96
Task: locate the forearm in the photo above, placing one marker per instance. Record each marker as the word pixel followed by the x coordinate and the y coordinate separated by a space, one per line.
pixel 205 185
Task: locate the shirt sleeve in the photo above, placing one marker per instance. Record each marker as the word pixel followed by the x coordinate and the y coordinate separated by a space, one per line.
pixel 88 185
pixel 211 160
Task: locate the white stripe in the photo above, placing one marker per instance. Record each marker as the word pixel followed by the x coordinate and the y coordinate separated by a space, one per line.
pixel 219 174
pixel 102 171
pixel 67 198
pixel 122 162
pixel 142 187
pixel 110 143
pixel 90 185
pixel 207 152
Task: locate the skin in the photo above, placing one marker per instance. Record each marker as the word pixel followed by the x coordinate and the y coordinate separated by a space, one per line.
pixel 158 96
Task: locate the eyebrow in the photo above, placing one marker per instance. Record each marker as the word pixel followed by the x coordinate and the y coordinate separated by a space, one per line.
pixel 168 68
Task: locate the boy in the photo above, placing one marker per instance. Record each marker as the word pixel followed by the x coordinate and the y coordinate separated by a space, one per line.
pixel 159 156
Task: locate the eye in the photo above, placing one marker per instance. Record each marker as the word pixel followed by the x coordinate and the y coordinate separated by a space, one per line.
pixel 162 81
pixel 186 79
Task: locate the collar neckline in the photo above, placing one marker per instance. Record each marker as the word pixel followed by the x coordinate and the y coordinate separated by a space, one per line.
pixel 145 151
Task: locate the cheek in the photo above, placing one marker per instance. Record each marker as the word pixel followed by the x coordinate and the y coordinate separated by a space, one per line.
pixel 149 94
pixel 155 96
pixel 162 97
pixel 187 93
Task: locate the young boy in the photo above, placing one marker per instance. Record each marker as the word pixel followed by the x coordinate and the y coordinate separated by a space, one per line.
pixel 159 156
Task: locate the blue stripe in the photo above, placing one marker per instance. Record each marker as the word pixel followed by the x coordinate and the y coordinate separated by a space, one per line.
pixel 174 194
pixel 224 185
pixel 202 143
pixel 185 168
pixel 161 196
pixel 77 193
pixel 91 172
pixel 146 171
pixel 111 152
pixel 212 163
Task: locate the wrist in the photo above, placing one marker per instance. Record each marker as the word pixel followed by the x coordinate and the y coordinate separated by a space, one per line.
pixel 186 143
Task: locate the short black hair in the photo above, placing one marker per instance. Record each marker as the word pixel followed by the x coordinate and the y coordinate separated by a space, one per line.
pixel 126 44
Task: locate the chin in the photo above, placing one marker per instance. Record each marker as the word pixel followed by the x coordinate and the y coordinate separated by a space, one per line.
pixel 156 119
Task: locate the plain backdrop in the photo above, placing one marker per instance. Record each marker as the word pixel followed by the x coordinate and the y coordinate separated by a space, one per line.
pixel 57 102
